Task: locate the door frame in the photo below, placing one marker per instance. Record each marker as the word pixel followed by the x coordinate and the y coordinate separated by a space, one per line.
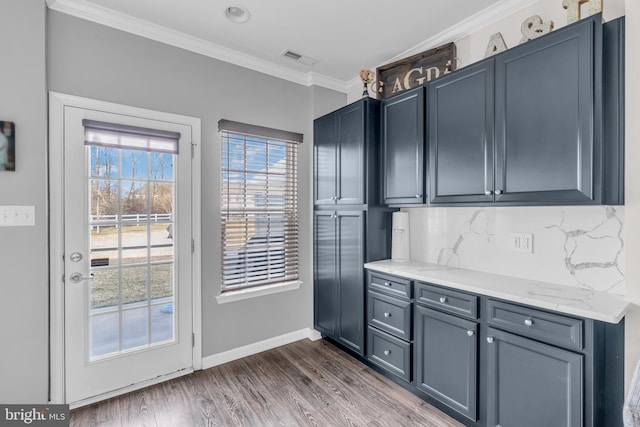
pixel 57 104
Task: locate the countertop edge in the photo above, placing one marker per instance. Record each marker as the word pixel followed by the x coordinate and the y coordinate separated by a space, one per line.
pixel 619 305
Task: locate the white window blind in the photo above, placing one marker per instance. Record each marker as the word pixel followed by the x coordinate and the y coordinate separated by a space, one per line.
pixel 259 205
pixel 114 135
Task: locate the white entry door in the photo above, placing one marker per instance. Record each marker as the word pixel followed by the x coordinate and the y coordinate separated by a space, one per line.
pixel 127 251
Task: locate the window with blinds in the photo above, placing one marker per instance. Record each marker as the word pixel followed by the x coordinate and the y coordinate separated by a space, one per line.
pixel 258 205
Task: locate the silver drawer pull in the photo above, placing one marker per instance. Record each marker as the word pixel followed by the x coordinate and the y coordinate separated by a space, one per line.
pixel 387 284
pixel 528 322
pixel 387 314
pixel 490 340
pixel 443 299
pixel 387 352
pixel 470 333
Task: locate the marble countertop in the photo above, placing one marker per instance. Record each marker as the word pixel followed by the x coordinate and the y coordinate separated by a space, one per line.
pixel 577 301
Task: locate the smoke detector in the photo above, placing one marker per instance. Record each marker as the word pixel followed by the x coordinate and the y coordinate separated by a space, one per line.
pixel 298 57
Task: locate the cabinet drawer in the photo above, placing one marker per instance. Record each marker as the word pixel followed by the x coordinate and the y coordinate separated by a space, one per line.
pixel 448 300
pixel 389 353
pixel 390 314
pixel 390 285
pixel 548 327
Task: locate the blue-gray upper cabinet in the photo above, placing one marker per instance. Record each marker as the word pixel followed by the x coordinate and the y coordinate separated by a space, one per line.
pixel 526 127
pixel 461 135
pixel 403 148
pixel 341 143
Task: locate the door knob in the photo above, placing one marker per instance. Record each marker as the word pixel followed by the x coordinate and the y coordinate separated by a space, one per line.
pixel 78 277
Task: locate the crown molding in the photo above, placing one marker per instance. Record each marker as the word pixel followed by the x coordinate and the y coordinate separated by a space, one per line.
pixel 139 27
pixel 466 27
pixel 456 33
pixel 127 23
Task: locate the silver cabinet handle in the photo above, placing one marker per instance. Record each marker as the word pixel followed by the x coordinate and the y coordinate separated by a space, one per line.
pixel 387 284
pixel 470 333
pixel 78 277
pixel 443 299
pixel 387 314
pixel 498 192
pixel 528 322
pixel 488 192
pixel 490 340
pixel 418 196
pixel 387 352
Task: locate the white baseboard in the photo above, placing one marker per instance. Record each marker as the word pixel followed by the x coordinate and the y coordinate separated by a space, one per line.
pixel 258 347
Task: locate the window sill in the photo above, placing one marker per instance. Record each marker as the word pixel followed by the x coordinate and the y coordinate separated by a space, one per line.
pixel 258 291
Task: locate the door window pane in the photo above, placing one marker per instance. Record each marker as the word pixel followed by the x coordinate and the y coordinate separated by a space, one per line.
pixel 131 234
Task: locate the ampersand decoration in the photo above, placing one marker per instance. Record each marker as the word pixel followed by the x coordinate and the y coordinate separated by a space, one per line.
pixel 533 27
pixel 573 8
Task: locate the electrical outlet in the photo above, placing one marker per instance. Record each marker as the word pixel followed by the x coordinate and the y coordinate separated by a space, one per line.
pixel 521 242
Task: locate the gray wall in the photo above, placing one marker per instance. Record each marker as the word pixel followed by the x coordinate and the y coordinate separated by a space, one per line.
pixel 94 61
pixel 89 60
pixel 24 308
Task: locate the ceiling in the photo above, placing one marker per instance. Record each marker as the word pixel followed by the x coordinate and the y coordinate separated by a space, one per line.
pixel 342 36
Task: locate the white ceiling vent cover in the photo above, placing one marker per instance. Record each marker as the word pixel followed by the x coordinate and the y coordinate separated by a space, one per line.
pixel 298 57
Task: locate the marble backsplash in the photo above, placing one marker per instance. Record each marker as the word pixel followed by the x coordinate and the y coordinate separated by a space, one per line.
pixel 575 246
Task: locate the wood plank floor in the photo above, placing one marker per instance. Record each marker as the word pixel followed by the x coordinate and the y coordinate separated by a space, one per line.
pixel 306 383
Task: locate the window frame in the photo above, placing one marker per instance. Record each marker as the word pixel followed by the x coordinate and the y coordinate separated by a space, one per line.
pixel 259 230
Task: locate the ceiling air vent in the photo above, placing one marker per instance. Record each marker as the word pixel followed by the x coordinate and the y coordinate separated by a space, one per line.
pixel 298 57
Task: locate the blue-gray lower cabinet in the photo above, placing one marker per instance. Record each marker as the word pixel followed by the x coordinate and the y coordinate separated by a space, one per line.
pixel 447 359
pixel 339 277
pixel 531 384
pixel 390 321
pixel 389 353
pixel 489 362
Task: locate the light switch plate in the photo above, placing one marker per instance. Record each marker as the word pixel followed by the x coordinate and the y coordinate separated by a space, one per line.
pixel 17 216
pixel 521 242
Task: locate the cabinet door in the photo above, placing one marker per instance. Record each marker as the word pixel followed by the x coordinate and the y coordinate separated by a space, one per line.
pixel 403 146
pixel 325 136
pixel 460 135
pixel 351 155
pixel 351 287
pixel 447 359
pixel 325 287
pixel 530 384
pixel 548 117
